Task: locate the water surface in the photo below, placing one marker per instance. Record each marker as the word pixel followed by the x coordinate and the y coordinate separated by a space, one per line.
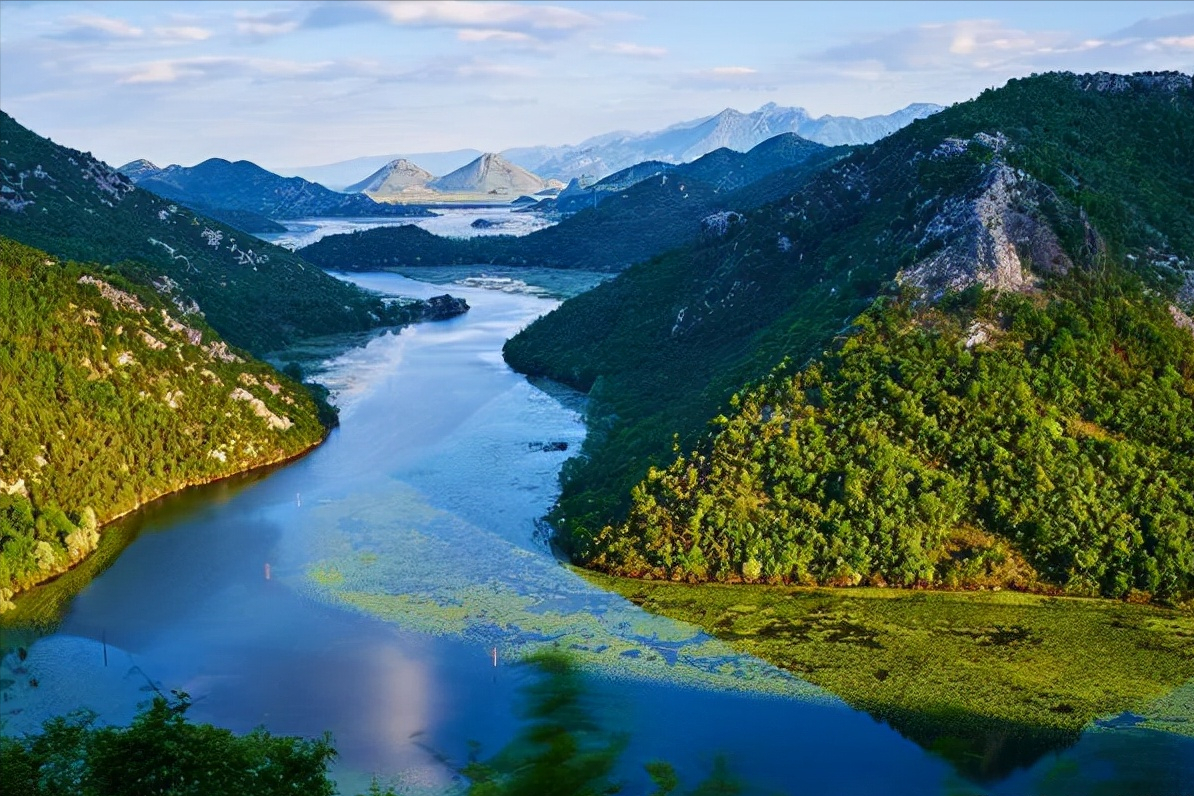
pixel 404 552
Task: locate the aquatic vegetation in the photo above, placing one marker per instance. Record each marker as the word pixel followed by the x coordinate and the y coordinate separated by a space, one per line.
pixel 988 679
pixel 426 570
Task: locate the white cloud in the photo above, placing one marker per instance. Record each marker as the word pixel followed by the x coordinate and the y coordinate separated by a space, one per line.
pixel 503 36
pixel 630 50
pixel 174 70
pixel 987 45
pixel 518 21
pixel 730 71
pixel 265 25
pixel 722 78
pixel 182 33
pixel 92 27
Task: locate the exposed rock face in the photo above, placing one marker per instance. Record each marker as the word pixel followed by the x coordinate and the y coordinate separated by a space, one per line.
pixel 440 308
pixel 393 178
pixel 261 410
pixel 1182 320
pixel 1171 82
pixel 139 169
pixel 491 174
pixel 996 238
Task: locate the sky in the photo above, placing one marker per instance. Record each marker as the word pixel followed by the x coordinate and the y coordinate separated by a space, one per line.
pixel 290 84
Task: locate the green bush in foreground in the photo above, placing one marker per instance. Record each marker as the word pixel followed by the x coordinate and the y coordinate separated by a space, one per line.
pixel 163 754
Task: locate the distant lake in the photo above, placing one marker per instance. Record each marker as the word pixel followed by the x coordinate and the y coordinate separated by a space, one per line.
pixel 366 589
pixel 450 222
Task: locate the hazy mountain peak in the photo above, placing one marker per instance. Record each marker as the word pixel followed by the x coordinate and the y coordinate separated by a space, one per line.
pixel 490 174
pixel 396 176
pixel 685 141
pixel 138 169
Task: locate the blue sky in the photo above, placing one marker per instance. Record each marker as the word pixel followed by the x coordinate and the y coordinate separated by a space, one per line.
pixel 304 83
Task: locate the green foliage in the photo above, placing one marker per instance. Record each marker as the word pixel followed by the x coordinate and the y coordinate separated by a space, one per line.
pixel 111 398
pixel 1069 434
pixel 258 296
pixel 991 681
pixel 161 753
pixel 563 751
pixel 664 346
pixel 560 750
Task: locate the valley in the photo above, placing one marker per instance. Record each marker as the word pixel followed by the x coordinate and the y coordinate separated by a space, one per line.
pixel 760 452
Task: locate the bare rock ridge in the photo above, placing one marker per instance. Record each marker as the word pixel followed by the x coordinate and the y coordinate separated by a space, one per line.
pixel 394 177
pixel 997 238
pixel 492 174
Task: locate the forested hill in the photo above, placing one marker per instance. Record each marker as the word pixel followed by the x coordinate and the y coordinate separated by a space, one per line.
pixel 112 397
pixel 632 224
pixel 257 295
pixel 1050 180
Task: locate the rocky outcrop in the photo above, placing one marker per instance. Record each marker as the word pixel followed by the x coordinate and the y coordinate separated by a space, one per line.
pixel 1170 82
pixel 997 238
pixel 439 308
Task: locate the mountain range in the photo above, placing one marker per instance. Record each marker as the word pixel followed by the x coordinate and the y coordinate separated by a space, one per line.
pixel 626 218
pixel 258 296
pixel 686 141
pixel 602 155
pixel 488 178
pixel 217 185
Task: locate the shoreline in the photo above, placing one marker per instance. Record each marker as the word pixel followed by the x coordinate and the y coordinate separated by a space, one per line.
pixel 104 524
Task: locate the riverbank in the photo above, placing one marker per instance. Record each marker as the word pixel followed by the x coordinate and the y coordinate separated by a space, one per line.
pixel 44 613
pixel 986 679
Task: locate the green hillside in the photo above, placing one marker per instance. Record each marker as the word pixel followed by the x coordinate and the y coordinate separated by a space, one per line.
pixel 113 397
pixel 258 296
pixel 1024 189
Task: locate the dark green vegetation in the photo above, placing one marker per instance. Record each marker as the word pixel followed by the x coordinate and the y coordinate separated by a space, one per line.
pixel 990 681
pixel 646 219
pixel 1062 188
pixel 258 296
pixel 908 457
pixel 725 169
pixel 163 754
pixel 112 397
pixel 246 187
pixel 562 749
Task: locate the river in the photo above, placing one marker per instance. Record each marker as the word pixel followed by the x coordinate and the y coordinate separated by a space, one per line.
pixel 384 587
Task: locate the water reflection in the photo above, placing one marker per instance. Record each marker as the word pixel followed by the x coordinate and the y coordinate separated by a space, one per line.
pixel 401 553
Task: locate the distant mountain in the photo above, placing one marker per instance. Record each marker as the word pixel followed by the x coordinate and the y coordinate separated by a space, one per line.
pixel 258 296
pixel 139 169
pixel 348 172
pixel 724 169
pixel 245 186
pixel 627 218
pixel 393 178
pixel 686 141
pixel 491 175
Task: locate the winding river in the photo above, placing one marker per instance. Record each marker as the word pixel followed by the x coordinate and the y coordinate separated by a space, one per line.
pixel 384 586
